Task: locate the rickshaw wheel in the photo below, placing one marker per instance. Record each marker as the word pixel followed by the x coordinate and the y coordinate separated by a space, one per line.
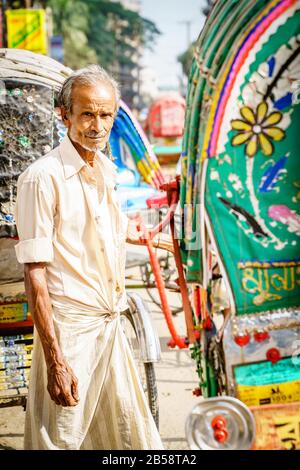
pixel 145 370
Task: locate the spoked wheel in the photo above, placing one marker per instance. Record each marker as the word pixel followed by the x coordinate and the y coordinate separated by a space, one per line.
pixel 145 369
pixel 169 273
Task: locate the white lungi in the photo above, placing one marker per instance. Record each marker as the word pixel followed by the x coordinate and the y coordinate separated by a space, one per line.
pixel 112 413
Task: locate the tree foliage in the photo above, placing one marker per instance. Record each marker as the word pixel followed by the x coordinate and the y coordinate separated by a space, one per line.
pixel 100 31
pixel 186 58
pixel 208 7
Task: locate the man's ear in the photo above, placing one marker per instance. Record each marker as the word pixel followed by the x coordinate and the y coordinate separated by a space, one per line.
pixel 64 116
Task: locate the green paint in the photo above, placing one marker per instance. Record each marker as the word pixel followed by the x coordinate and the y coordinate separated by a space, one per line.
pixel 266 373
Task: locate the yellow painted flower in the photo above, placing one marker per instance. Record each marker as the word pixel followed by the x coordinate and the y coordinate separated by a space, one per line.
pixel 257 130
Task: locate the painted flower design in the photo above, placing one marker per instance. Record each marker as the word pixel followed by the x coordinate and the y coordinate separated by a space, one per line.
pixel 257 129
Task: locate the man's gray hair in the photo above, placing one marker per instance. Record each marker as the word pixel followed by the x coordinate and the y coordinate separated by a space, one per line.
pixel 90 75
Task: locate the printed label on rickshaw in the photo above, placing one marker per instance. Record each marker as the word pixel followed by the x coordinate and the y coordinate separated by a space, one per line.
pixel 264 383
pixel 277 427
pixel 10 313
pixel 288 392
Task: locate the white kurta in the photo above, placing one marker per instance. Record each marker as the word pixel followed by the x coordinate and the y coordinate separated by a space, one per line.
pixel 67 215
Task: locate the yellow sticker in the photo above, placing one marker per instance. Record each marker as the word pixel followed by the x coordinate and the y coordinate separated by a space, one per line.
pixel 26 29
pixel 10 313
pixel 256 395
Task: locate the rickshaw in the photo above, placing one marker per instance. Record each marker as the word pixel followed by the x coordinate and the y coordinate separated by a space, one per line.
pixel 30 126
pixel 238 244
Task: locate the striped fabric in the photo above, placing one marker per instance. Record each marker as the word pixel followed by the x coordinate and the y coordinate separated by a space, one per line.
pixel 112 413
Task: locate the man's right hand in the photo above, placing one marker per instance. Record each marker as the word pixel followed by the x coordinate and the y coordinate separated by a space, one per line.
pixel 63 385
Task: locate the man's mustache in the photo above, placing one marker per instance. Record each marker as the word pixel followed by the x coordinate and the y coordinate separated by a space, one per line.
pixel 95 135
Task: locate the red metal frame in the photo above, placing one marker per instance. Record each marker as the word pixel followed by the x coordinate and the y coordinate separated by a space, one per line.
pixel 172 190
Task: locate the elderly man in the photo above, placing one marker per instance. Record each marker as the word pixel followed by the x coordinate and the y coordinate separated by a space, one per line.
pixel 84 388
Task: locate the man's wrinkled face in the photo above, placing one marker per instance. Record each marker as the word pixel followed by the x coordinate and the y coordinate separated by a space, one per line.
pixel 92 115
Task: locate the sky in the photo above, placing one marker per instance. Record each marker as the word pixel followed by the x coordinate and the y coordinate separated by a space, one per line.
pixel 168 15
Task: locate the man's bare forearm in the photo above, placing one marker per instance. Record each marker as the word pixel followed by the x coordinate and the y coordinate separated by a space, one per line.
pixel 62 382
pixel 41 310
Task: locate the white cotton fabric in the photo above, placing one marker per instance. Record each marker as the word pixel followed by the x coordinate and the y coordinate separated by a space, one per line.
pixel 67 215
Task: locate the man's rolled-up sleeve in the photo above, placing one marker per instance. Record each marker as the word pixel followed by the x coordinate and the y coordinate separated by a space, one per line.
pixel 34 214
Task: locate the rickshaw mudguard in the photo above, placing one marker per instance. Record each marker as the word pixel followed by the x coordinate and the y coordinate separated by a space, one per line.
pixel 149 346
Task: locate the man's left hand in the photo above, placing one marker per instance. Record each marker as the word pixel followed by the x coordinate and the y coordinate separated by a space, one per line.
pixel 135 233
